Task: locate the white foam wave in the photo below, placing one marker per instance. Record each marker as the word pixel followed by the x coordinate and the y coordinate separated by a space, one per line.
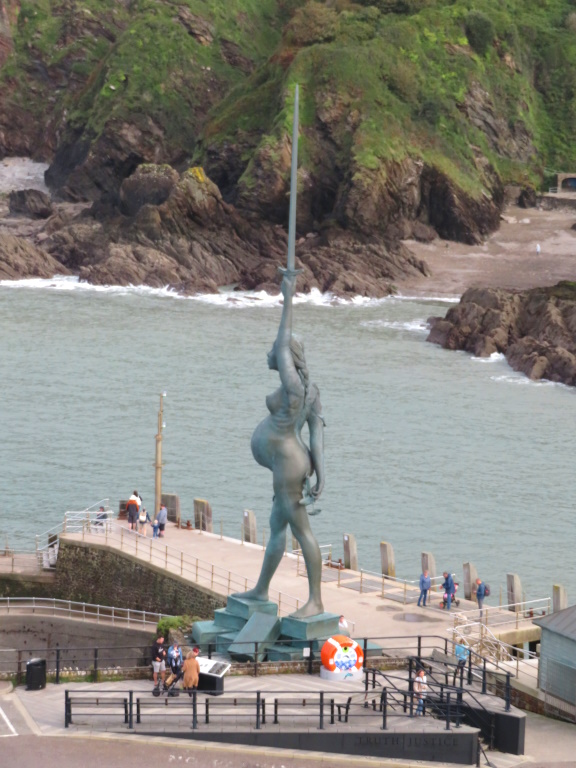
pixel 413 326
pixel 520 378
pixel 495 357
pixel 224 298
pixel 72 283
pixel 428 299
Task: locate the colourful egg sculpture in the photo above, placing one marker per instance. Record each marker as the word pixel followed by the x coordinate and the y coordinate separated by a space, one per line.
pixel 341 654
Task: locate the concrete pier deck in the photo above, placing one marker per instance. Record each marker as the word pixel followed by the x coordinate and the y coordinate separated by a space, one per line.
pixel 225 565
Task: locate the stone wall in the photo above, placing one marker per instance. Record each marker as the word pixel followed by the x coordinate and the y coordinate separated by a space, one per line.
pixel 94 573
pixel 18 585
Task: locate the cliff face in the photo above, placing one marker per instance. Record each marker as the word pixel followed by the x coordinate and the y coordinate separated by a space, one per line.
pixel 535 330
pixel 413 115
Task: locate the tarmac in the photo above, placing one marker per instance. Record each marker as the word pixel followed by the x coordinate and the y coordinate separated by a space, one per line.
pixel 33 733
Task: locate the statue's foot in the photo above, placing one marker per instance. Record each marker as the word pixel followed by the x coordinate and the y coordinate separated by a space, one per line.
pixel 312 608
pixel 252 594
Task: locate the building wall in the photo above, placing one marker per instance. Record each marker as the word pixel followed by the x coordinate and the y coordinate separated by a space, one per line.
pixel 94 573
pixel 558 666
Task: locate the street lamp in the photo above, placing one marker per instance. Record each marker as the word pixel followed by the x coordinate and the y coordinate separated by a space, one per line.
pixel 158 463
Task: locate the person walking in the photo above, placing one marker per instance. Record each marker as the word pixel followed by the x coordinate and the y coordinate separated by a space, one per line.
pixel 191 670
pixel 480 594
pixel 143 519
pixel 538 249
pixel 162 518
pixel 425 583
pixel 420 688
pixel 133 510
pixel 448 587
pixel 159 660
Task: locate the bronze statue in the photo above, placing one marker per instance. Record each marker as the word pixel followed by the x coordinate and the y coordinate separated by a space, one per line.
pixel 277 442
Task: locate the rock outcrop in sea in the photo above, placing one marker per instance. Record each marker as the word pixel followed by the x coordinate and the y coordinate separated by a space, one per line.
pixel 535 329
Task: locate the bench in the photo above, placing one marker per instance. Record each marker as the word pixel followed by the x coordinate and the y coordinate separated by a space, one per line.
pixel 235 701
pixel 85 702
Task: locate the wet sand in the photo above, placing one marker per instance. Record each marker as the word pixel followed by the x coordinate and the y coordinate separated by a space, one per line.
pixel 508 258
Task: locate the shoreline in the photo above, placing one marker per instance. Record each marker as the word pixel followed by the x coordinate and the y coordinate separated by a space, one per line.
pixel 508 258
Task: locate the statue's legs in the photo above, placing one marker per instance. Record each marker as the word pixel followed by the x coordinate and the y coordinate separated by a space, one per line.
pixel 300 526
pixel 272 557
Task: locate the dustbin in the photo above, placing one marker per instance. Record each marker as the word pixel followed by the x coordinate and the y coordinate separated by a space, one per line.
pixel 35 674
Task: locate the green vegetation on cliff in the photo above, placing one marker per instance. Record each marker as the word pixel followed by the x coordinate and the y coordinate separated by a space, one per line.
pixel 481 91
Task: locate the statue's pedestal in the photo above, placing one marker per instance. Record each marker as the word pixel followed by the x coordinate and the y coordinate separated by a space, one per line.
pixel 237 628
pixel 244 608
pixel 310 628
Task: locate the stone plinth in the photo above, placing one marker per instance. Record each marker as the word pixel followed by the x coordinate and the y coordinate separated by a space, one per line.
pixel 387 558
pixel 350 552
pixel 202 515
pixel 310 628
pixel 514 591
pixel 249 532
pixel 470 576
pixel 245 608
pixel 261 628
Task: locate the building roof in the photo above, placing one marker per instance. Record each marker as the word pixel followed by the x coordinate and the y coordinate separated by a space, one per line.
pixel 561 622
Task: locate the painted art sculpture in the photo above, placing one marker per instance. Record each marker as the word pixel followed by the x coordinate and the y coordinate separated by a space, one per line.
pixel 278 444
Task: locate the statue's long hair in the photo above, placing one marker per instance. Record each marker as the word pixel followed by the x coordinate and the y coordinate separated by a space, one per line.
pixel 311 392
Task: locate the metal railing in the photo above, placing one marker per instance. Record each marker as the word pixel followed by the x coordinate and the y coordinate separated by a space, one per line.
pixel 172 560
pixel 509 615
pixel 46 606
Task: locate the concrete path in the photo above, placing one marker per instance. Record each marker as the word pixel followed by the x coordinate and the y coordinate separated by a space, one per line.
pixel 37 717
pixel 226 566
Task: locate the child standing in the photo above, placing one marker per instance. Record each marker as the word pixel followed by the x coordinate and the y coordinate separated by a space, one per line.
pixel 155 528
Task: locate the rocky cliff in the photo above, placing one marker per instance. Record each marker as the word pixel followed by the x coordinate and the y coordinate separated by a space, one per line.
pixel 414 114
pixel 535 330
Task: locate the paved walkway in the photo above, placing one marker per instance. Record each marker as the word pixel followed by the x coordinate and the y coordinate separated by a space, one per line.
pixel 226 566
pixel 26 716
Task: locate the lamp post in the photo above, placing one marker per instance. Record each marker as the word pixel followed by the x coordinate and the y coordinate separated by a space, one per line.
pixel 158 463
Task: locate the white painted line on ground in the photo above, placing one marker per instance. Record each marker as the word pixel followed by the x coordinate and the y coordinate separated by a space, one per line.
pixel 9 724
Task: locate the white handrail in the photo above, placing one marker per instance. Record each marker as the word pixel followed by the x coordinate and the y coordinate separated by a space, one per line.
pixel 86 610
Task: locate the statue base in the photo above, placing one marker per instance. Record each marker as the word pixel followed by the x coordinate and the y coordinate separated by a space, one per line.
pixel 316 627
pixel 244 607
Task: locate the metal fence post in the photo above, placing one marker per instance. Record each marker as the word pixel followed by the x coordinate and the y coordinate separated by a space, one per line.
pixel 67 717
pixel 321 710
pixel 256 659
pixel 469 667
pixel 258 695
pixel 95 665
pixel 384 707
pixel 448 712
pixel 194 710
pixel 131 710
pixel 365 648
pixel 484 676
pixel 419 646
pixel 507 692
pixel 310 656
pixel 57 665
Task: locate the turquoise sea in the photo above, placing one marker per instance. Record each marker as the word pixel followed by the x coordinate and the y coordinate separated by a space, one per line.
pixel 425 448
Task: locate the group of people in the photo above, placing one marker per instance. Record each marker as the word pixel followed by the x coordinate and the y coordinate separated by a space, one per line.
pixel 449 589
pixel 138 517
pixel 187 670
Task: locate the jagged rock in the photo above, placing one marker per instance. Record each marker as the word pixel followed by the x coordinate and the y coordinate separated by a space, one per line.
pixel 30 202
pixel 535 329
pixel 200 29
pixel 20 259
pixel 148 185
pixel 527 198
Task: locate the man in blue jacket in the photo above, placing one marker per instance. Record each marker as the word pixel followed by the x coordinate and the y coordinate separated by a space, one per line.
pixel 480 594
pixel 448 588
pixel 425 582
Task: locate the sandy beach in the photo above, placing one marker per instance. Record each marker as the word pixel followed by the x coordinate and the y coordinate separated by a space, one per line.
pixel 508 258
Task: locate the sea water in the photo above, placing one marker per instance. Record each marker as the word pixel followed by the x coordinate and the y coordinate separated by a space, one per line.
pixel 428 449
